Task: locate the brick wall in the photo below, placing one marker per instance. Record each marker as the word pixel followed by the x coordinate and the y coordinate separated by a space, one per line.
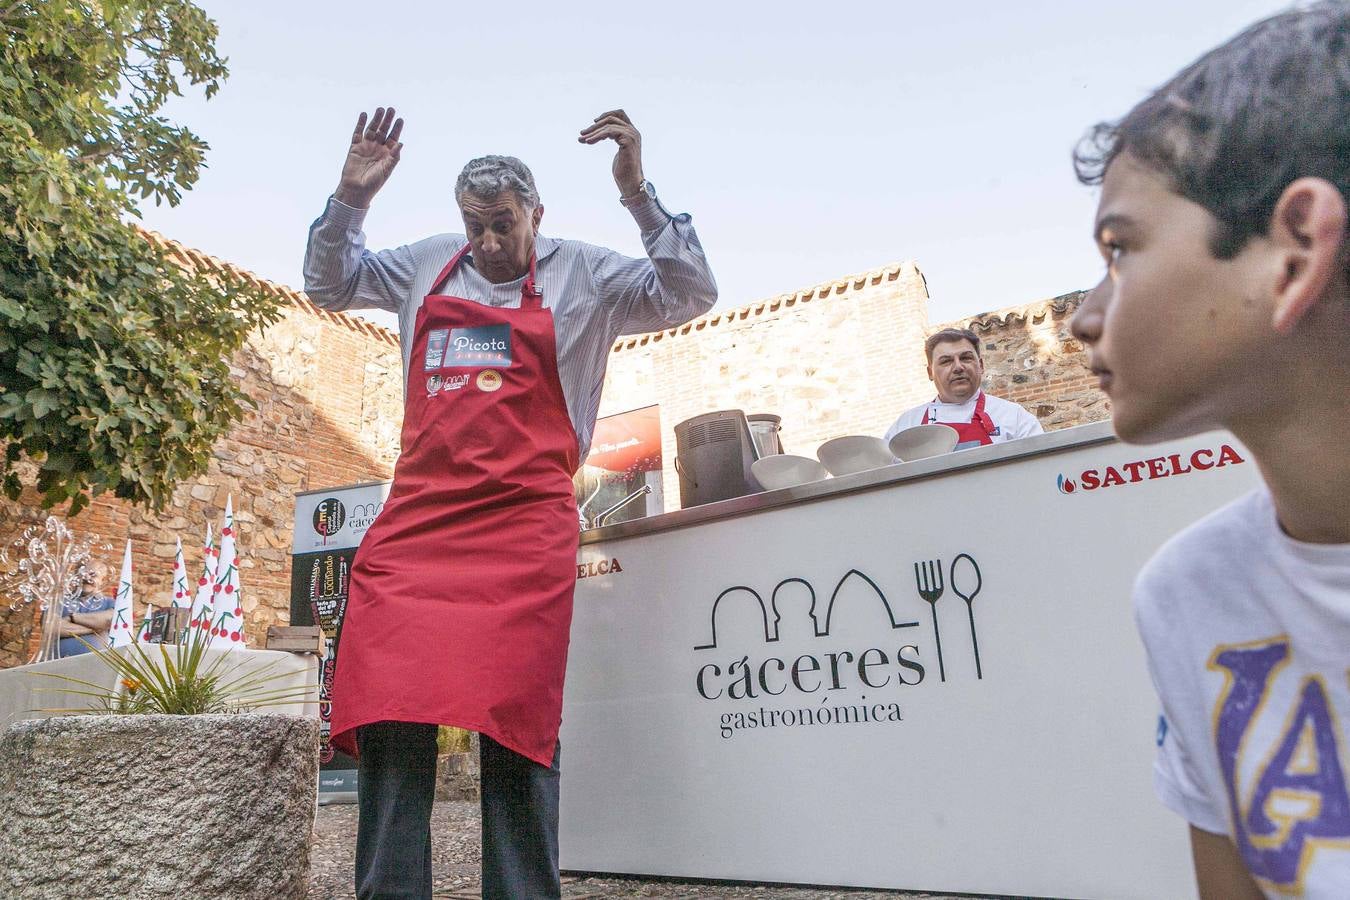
pixel 1031 358
pixel 845 357
pixel 831 360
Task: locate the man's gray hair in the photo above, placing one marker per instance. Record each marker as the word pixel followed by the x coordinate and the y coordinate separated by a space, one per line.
pixel 486 177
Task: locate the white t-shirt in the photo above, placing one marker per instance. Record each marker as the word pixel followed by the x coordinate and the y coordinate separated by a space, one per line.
pixel 1011 422
pixel 1248 638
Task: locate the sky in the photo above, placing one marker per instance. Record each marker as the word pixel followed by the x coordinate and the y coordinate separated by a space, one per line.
pixel 808 141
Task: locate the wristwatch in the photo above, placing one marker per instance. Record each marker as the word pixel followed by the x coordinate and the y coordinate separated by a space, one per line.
pixel 646 191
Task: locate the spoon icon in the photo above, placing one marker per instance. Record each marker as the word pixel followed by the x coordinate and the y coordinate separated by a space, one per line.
pixel 970 610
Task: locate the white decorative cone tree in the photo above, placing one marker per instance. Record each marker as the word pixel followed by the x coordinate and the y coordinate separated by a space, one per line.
pixel 181 597
pixel 227 619
pixel 200 619
pixel 143 632
pixel 122 634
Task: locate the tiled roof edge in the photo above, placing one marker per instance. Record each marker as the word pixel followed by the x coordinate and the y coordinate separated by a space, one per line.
pixel 1015 315
pixel 205 262
pixel 820 291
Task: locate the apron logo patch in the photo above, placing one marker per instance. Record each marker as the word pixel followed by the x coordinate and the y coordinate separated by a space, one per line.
pixel 438 383
pixel 486 345
pixel 436 342
pixel 489 380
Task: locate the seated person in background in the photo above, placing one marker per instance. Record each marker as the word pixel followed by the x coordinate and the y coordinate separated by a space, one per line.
pixel 955 367
pixel 87 615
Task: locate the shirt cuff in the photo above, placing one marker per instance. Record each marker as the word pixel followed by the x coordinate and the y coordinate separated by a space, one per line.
pixel 649 214
pixel 340 213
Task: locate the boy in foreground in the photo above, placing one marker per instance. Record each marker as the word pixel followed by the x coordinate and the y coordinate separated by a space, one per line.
pixel 1226 304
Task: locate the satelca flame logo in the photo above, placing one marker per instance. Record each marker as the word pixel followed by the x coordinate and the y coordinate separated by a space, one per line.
pixel 1141 470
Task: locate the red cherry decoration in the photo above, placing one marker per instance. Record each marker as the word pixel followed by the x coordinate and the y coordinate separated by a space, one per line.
pixel 229 589
pixel 201 580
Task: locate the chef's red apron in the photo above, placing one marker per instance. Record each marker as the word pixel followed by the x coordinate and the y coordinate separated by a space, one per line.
pixel 461 592
pixel 975 433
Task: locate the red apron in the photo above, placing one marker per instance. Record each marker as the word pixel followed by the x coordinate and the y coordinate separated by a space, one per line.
pixel 461 591
pixel 975 433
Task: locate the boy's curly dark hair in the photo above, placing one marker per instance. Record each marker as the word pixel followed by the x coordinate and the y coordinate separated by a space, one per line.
pixel 1232 130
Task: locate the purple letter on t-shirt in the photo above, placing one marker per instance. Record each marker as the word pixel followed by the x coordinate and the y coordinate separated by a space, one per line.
pixel 1299 796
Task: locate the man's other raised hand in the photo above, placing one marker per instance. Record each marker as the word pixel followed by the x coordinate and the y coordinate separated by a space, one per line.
pixel 617 127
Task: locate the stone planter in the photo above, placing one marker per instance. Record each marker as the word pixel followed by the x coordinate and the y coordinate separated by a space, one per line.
pixel 217 806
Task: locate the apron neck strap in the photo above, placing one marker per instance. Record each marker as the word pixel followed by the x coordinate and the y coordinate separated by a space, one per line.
pixel 530 295
pixel 449 267
pixel 985 420
pixel 979 415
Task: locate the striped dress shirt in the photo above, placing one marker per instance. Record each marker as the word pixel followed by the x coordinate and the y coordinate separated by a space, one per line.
pixel 595 294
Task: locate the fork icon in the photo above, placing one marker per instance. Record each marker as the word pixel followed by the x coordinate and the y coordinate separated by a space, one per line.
pixel 928 579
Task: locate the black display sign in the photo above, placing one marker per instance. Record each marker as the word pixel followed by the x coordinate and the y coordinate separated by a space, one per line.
pixel 319 589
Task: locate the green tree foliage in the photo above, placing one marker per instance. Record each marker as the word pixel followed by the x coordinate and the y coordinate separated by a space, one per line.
pixel 114 359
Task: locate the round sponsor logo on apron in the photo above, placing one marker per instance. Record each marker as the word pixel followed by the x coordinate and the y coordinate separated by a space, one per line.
pixel 489 380
pixel 434 384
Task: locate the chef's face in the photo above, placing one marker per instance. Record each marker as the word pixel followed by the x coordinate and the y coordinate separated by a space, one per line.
pixel 501 235
pixel 956 369
pixel 1177 337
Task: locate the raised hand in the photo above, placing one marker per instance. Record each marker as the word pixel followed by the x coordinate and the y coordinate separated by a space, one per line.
pixel 371 158
pixel 616 126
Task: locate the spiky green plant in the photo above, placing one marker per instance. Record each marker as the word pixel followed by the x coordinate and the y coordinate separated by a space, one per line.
pixel 181 681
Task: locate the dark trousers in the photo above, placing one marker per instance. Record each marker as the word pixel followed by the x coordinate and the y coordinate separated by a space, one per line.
pixel 396 785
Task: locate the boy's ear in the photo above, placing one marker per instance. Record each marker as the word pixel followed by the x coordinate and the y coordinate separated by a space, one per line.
pixel 1309 230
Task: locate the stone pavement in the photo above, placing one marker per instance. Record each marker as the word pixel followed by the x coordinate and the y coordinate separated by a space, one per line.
pixel 455 849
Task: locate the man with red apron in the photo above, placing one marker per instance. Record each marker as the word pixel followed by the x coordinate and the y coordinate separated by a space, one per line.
pixel 461 592
pixel 957 369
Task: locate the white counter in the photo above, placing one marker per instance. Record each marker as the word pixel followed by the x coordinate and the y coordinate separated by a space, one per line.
pixel 691 750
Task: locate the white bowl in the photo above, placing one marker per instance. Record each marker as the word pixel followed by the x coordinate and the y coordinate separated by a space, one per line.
pixel 783 470
pixel 923 441
pixel 855 453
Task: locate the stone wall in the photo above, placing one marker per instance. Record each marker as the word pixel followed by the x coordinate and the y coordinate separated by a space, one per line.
pixel 844 357
pixel 832 359
pixel 328 408
pixel 1031 358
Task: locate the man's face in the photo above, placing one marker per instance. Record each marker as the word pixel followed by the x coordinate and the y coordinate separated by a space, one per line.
pixel 501 234
pixel 92 576
pixel 957 370
pixel 1178 338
